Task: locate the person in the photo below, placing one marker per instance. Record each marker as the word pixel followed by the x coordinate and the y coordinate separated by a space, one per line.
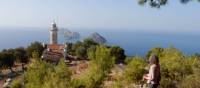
pixel 153 77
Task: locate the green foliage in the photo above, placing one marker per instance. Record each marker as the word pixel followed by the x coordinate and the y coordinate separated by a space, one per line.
pixel 35 55
pixel 191 81
pixel 69 48
pixel 128 60
pixel 35 47
pixel 118 53
pixel 177 69
pixel 158 3
pixel 195 62
pixel 80 49
pixel 44 75
pixel 36 73
pixel 81 52
pixel 20 55
pixel 118 84
pixel 174 66
pixel 7 59
pixel 157 51
pixel 135 70
pixel 101 63
pixel 16 84
pixel 89 42
pixel 60 77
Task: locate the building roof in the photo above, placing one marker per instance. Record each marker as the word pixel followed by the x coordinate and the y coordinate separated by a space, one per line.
pixel 53 52
pixel 58 48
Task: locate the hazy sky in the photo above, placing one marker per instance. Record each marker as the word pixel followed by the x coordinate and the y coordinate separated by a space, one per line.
pixel 98 14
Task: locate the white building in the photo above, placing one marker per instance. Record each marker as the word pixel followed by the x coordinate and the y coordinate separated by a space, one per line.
pixel 53 34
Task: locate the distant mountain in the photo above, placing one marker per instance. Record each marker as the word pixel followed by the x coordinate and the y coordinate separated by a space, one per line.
pixel 97 38
pixel 69 35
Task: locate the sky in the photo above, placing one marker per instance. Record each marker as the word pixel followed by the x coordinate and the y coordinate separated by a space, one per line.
pixel 100 14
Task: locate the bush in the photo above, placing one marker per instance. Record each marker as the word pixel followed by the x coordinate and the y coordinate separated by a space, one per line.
pixel 89 42
pixel 81 49
pixel 135 70
pixel 101 63
pixel 36 73
pixel 7 59
pixel 44 75
pixel 60 77
pixel 177 70
pixel 158 51
pixel 35 47
pixel 191 81
pixel 175 66
pixel 81 52
pixel 16 84
pixel 118 53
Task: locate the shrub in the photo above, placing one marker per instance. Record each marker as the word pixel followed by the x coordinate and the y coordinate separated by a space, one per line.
pixel 174 67
pixel 118 53
pixel 44 75
pixel 191 81
pixel 158 51
pixel 60 77
pixel 81 52
pixel 135 70
pixel 35 47
pixel 100 65
pixel 16 84
pixel 36 73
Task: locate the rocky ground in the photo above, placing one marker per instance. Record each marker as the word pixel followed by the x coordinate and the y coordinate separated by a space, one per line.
pixel 6 72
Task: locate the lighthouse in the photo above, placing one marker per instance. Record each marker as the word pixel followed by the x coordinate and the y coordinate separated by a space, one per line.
pixel 53 33
pixel 54 51
pixel 53 46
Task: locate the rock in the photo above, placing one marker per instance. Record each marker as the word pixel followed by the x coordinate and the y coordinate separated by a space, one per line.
pixel 97 38
pixel 69 35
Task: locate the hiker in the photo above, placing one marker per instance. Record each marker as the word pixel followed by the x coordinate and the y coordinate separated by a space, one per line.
pixel 153 77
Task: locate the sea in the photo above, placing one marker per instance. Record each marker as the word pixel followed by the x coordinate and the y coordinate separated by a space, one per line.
pixel 134 42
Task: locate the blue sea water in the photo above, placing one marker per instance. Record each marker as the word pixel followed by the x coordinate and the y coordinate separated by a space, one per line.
pixel 134 42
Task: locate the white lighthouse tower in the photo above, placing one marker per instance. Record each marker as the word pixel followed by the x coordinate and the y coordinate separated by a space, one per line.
pixel 53 33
